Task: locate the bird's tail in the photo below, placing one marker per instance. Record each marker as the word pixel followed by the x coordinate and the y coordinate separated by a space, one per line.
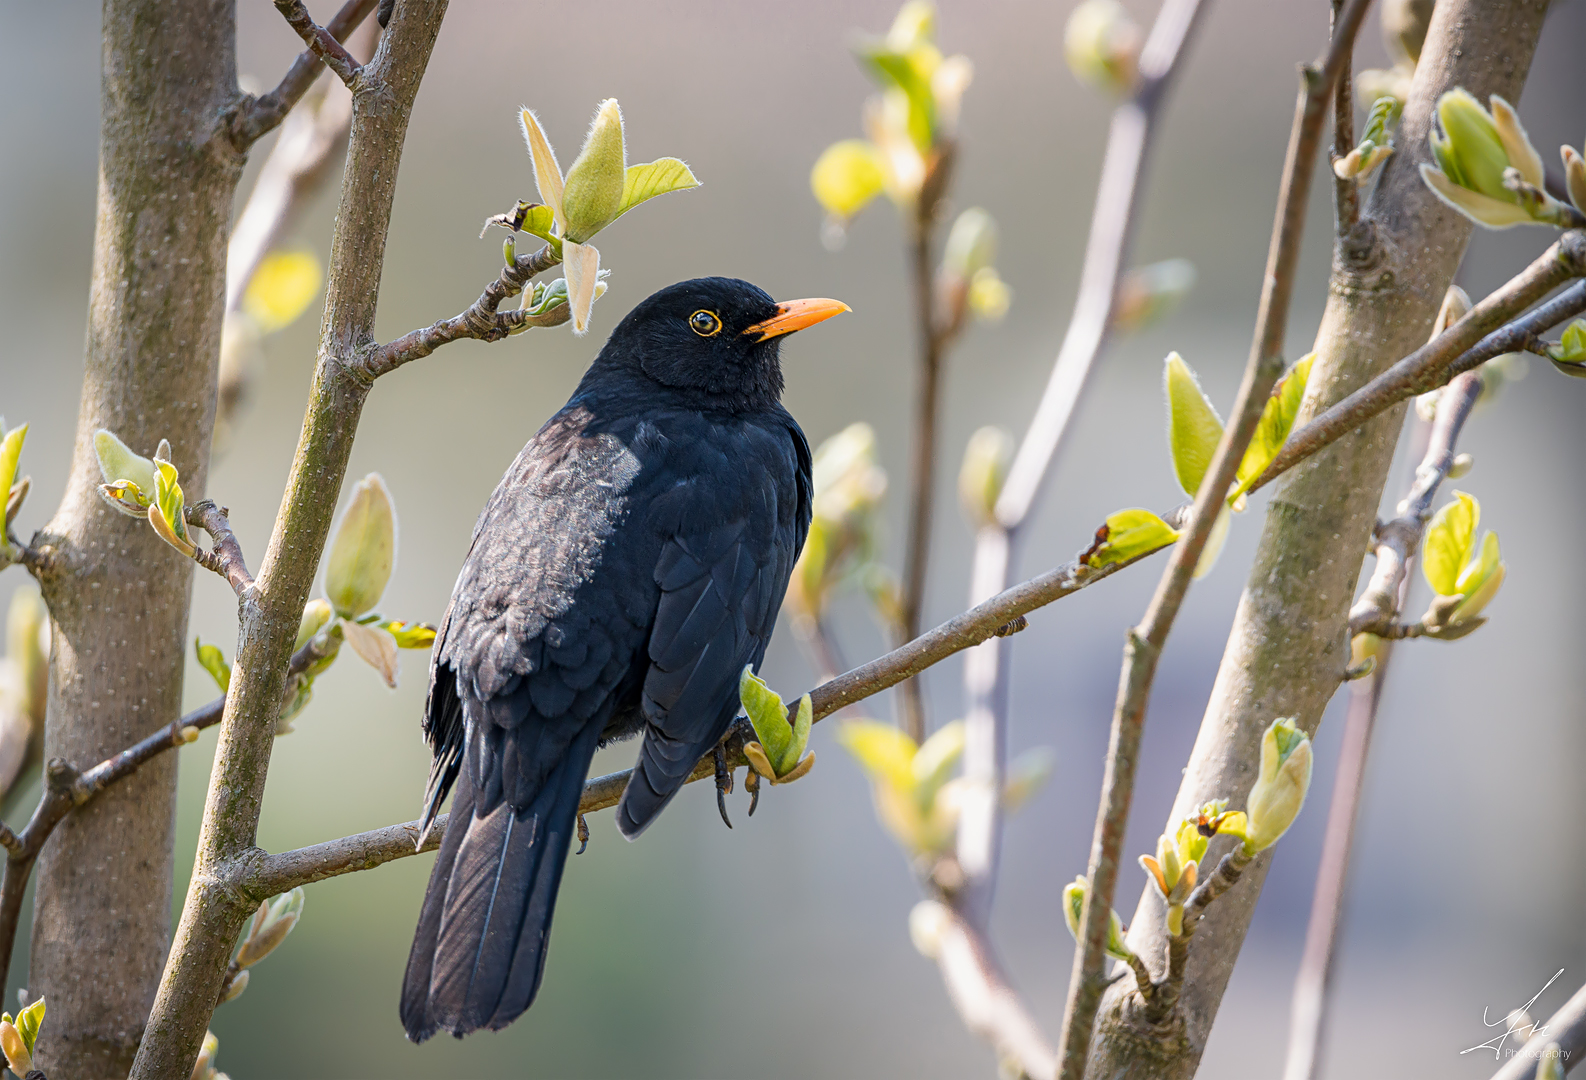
pixel 479 951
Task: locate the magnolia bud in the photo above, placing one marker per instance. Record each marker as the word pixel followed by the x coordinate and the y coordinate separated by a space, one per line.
pixel 1279 791
pixel 1456 305
pixel 1574 176
pixel 1475 155
pixel 928 921
pixel 971 244
pixel 271 924
pixel 1073 907
pixel 1102 45
pixel 316 613
pixel 118 462
pixel 363 550
pixel 234 989
pixel 980 478
pixel 592 192
pixel 1404 24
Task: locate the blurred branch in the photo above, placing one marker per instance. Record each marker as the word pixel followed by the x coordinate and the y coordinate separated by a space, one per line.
pixel 934 334
pixel 1470 342
pixel 321 41
pixel 1567 1028
pixel 312 137
pixel 1118 197
pixel 66 789
pixel 987 1002
pixel 225 556
pixel 480 321
pixel 1346 192
pixel 261 115
pixel 1145 642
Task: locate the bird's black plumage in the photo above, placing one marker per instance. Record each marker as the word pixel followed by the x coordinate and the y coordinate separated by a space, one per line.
pixel 627 567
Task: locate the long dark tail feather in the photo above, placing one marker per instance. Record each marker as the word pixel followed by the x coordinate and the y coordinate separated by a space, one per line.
pixel 479 952
pixel 664 766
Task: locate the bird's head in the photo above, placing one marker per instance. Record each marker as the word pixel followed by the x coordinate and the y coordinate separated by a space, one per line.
pixel 716 336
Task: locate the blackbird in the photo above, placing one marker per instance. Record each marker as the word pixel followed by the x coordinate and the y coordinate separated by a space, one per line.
pixel 627 567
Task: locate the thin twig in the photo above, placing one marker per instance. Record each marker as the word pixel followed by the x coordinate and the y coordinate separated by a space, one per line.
pixel 1118 196
pixel 1346 192
pixel 262 114
pixel 1473 340
pixel 320 40
pixel 1145 642
pixel 1398 539
pixel 933 336
pixel 481 320
pixel 225 556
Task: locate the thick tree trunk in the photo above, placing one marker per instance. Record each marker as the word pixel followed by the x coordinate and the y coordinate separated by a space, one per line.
pixel 1289 644
pixel 118 596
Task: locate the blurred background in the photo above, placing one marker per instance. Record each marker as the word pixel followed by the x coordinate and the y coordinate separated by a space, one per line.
pixel 780 949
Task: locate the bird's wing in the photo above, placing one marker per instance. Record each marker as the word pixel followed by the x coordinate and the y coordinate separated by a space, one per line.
pixel 732 526
pixel 514 652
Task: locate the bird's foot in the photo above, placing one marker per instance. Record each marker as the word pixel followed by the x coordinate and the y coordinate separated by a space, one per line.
pixel 723 782
pixel 583 835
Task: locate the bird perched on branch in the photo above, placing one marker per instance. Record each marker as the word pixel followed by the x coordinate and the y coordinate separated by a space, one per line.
pixel 627 567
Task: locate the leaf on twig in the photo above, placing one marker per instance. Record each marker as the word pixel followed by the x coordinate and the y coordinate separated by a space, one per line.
pixel 1194 428
pixel 376 646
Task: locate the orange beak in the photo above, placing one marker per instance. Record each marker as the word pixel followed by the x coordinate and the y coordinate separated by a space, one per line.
pixel 796 315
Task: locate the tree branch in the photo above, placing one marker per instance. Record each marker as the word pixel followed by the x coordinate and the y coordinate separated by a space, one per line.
pixel 225 556
pixel 320 41
pixel 987 1002
pixel 213 914
pixel 259 116
pixel 1474 339
pixel 1146 641
pixel 1118 196
pixel 1285 652
pixel 480 321
pixel 1346 192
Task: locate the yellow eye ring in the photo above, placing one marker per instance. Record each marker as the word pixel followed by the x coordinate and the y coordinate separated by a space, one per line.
pixel 704 323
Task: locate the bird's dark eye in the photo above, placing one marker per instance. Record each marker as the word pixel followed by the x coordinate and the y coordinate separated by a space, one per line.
pixel 704 323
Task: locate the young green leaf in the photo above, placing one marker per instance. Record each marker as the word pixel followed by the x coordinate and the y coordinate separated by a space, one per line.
pixel 933 763
pixel 409 635
pixel 1194 428
pixel 1127 534
pixel 767 714
pixel 846 176
pixel 658 177
pixel 1450 537
pixel 283 286
pixel 10 452
pixel 884 752
pixel 212 660
pixel 1277 420
pixel 909 72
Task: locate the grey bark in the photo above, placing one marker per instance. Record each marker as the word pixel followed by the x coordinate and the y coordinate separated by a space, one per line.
pixel 1289 645
pixel 118 596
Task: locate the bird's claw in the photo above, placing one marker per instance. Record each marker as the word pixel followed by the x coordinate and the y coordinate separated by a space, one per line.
pixel 723 783
pixel 583 835
pixel 751 784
